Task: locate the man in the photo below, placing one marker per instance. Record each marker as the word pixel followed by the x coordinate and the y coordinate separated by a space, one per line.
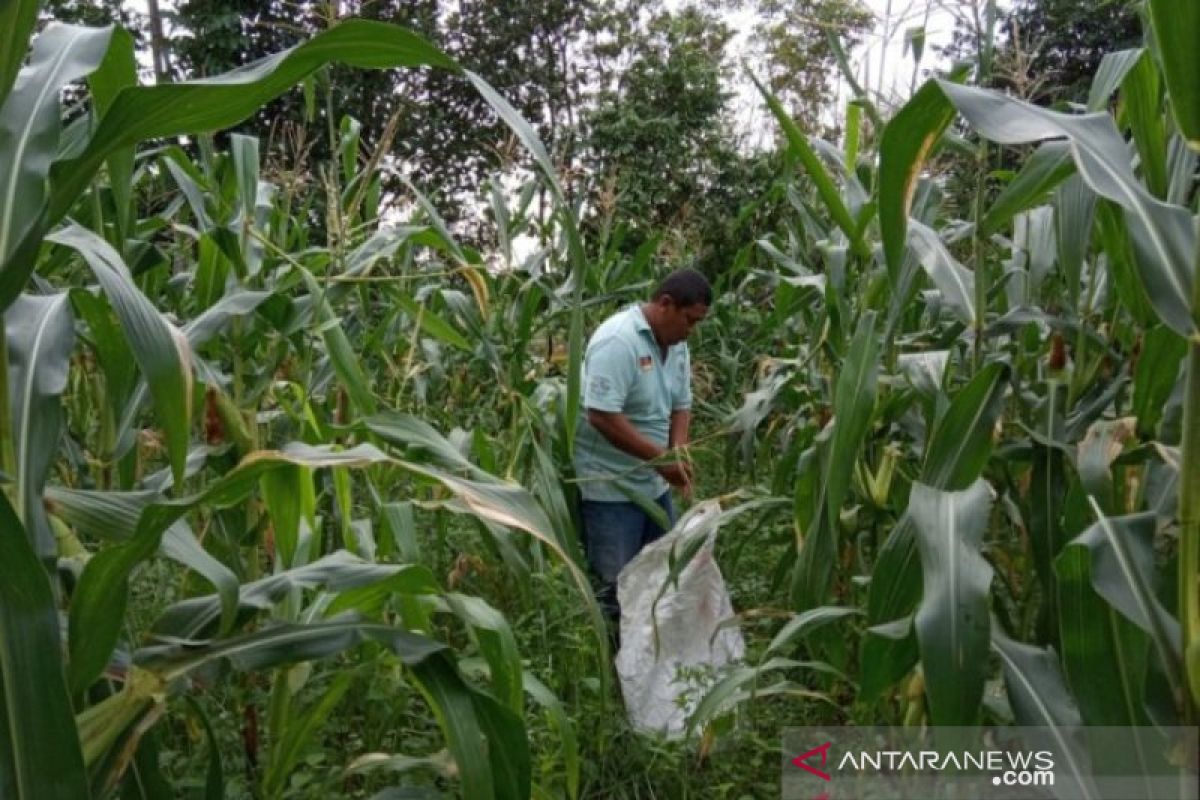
pixel 637 397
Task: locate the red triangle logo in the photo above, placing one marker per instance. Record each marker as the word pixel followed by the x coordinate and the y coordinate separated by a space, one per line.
pixel 802 759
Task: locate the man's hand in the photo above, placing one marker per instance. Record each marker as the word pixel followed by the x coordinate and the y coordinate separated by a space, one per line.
pixel 620 432
pixel 679 475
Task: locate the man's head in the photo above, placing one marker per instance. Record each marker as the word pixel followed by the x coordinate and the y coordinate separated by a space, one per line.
pixel 679 302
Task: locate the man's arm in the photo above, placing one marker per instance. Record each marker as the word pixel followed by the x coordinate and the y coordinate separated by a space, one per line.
pixel 619 431
pixel 681 420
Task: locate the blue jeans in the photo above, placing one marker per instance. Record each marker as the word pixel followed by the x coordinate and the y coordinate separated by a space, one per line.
pixel 613 533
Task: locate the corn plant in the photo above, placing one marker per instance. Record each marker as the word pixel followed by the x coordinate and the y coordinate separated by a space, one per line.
pixel 991 456
pixel 260 495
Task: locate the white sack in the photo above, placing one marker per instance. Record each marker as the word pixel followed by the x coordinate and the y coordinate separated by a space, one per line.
pixel 687 618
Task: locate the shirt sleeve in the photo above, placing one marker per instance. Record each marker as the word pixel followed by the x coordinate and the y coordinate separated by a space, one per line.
pixel 610 372
pixel 681 399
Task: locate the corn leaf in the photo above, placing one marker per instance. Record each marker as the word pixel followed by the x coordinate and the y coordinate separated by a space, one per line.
pixel 1104 655
pixel 17 20
pixel 828 191
pixel 1163 234
pixel 40 334
pixel 1047 167
pixel 907 141
pixel 209 104
pixel 161 351
pixel 1122 572
pixel 1039 697
pixel 40 756
pixel 29 134
pixel 955 456
pixel 1176 31
pixel 951 622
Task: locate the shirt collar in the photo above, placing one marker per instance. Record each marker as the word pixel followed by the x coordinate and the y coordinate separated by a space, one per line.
pixel 639 319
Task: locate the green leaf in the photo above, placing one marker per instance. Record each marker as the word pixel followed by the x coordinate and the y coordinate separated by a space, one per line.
pixel 1110 75
pixel 98 605
pixel 1154 375
pixel 955 282
pixel 338 572
pixel 961 443
pixel 488 741
pixel 116 72
pixel 1176 31
pixel 113 515
pixel 512 506
pixel 17 20
pixel 1039 697
pixel 524 131
pixel 112 352
pixel 1049 166
pixel 29 132
pixel 342 355
pixel 1047 494
pixel 1074 211
pixel 244 150
pixel 214 779
pixel 563 728
pixel 800 147
pixel 955 457
pixel 907 141
pixel 40 334
pixel 398 521
pixel 576 254
pixel 723 695
pixel 416 436
pixel 281 489
pixel 1122 269
pixel 282 644
pixel 1163 234
pixel 804 623
pixel 160 349
pixel 1103 654
pixel 1140 93
pixel 924 370
pixel 299 733
pixel 854 403
pixel 952 622
pixel 431 323
pixel 40 756
pixel 496 643
pixel 209 104
pixel 1122 571
pixel 238 303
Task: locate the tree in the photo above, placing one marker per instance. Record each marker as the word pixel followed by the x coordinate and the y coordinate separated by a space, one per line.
pixel 793 54
pixel 655 137
pixel 1049 50
pixel 449 147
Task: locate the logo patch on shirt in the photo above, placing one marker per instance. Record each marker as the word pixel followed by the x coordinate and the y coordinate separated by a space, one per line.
pixel 646 363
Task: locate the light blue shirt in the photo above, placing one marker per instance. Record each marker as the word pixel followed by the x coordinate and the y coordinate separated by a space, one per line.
pixel 624 372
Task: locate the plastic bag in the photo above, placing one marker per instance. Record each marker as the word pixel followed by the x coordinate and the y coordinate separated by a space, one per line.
pixel 663 680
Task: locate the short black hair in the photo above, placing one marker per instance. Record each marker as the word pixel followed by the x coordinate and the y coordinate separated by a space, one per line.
pixel 687 287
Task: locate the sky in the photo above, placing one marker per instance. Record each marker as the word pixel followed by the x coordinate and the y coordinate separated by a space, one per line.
pixel 882 63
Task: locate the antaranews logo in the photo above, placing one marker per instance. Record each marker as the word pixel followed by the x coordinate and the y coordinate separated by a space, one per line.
pixel 1005 767
pixel 801 761
pixel 987 763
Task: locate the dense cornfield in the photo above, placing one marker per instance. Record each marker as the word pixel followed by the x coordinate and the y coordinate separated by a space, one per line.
pixel 288 507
